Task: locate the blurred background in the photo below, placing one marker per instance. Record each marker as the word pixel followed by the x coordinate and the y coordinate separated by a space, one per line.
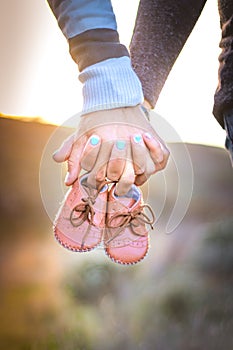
pixel 180 296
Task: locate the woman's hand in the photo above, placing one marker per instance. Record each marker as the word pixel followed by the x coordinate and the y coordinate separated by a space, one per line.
pixel 119 144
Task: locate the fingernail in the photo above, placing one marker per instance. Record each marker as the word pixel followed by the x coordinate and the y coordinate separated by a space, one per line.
pixel 67 177
pixel 148 135
pixel 137 138
pixel 120 145
pixel 54 156
pixel 94 140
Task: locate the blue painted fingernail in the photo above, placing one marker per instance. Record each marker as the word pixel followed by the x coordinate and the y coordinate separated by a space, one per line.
pixel 120 144
pixel 94 140
pixel 137 138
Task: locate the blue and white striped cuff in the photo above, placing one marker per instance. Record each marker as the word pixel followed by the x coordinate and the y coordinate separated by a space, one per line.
pixel 110 84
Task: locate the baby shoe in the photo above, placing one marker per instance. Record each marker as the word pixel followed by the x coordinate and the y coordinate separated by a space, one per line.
pixel 80 221
pixel 126 237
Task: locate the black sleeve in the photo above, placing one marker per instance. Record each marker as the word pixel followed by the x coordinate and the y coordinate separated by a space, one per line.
pixel 223 99
pixel 161 30
pixel 94 46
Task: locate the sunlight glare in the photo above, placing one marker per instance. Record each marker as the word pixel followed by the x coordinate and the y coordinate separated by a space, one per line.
pixel 54 92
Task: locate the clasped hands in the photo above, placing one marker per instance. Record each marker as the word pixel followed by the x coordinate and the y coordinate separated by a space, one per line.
pixel 119 144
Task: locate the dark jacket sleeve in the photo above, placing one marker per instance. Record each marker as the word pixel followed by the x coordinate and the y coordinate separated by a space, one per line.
pixel 161 30
pixel 94 46
pixel 223 99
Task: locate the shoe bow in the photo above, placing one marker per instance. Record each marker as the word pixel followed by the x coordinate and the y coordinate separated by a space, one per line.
pixel 133 219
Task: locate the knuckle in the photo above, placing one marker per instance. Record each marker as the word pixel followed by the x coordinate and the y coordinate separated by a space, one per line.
pixel 139 171
pixel 71 163
pixel 162 165
pixel 100 176
pixel 140 180
pixel 127 181
pixel 166 157
pixel 114 176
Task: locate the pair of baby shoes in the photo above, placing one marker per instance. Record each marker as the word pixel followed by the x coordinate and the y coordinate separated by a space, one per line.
pixel 90 217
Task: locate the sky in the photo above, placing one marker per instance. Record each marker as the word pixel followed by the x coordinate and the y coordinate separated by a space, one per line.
pixel 39 78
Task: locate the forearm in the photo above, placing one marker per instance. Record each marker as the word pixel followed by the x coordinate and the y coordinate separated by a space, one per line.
pixel 91 30
pixel 223 99
pixel 161 30
pixel 77 16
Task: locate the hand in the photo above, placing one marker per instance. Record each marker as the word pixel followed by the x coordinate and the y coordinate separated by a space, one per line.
pixel 119 144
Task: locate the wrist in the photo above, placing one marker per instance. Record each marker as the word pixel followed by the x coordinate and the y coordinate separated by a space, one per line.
pixel 147 105
pixel 110 84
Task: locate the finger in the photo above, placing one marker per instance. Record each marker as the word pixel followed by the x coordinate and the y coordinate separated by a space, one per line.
pixel 138 153
pixel 90 152
pixel 98 172
pixel 150 169
pixel 142 160
pixel 166 154
pixel 63 152
pixel 158 151
pixel 117 160
pixel 127 179
pixel 154 147
pixel 140 179
pixel 74 166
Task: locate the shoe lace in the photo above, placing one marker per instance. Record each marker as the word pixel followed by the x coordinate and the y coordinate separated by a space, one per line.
pixel 132 219
pixel 85 207
pixel 86 212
